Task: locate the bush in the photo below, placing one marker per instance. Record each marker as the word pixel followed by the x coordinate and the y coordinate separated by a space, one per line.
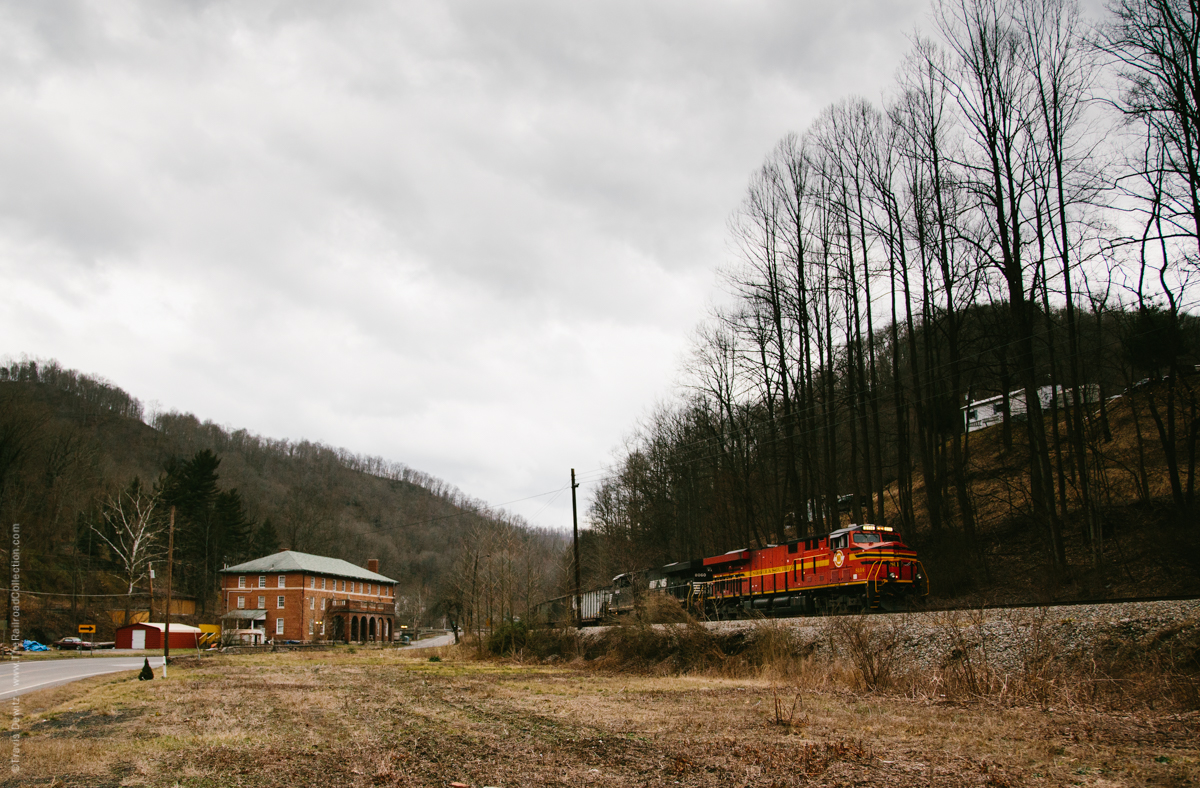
pixel 508 638
pixel 870 643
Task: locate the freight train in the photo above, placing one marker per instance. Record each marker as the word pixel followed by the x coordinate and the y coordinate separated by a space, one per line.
pixel 859 568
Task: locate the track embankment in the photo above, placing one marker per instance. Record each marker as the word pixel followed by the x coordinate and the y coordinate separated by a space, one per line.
pixel 1011 639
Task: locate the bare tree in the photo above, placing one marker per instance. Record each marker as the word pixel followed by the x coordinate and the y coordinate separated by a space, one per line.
pixel 1156 44
pixel 131 531
pixel 996 96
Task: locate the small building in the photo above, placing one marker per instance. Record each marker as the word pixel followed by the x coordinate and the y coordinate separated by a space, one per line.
pixel 982 413
pixel 150 635
pixel 302 597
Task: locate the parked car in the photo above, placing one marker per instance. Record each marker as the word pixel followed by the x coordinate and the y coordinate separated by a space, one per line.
pixel 78 644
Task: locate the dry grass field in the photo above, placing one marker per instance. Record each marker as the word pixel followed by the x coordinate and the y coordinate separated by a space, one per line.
pixel 376 718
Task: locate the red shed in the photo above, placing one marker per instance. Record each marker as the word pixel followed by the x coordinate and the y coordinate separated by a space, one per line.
pixel 148 635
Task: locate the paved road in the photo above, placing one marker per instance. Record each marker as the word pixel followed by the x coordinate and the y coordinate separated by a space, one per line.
pixel 440 640
pixel 52 672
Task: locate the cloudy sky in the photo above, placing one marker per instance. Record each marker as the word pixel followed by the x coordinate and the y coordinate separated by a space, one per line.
pixel 472 237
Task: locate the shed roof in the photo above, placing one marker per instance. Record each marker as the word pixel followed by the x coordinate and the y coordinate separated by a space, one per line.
pixel 161 626
pixel 249 615
pixel 294 561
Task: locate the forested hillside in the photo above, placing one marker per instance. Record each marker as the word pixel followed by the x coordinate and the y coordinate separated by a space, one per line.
pixel 78 467
pixel 1020 219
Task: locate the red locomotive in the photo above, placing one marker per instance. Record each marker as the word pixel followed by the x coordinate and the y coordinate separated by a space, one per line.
pixel 862 567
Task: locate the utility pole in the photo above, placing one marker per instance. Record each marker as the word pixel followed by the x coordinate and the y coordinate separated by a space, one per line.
pixel 575 532
pixel 150 566
pixel 170 564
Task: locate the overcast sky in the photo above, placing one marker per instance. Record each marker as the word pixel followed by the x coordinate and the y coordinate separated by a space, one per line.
pixel 472 237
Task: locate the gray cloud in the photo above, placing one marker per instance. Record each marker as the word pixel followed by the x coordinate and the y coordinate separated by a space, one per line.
pixel 471 237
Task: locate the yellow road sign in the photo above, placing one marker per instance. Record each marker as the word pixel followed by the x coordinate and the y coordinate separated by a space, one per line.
pixel 87 629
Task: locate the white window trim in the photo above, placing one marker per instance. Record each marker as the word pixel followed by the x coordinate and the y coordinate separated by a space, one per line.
pixel 241 603
pixel 282 582
pixel 241 581
pixel 262 581
pixel 279 602
pixel 279 626
pixel 262 603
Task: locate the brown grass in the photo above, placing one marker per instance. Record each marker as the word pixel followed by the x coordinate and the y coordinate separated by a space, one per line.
pixel 778 713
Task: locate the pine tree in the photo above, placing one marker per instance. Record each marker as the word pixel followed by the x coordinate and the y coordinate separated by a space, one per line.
pixel 266 540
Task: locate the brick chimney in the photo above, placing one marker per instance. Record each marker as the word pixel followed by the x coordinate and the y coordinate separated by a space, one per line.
pixel 373 565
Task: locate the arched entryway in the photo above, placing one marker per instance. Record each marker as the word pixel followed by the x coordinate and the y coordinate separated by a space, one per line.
pixel 372 629
pixel 354 628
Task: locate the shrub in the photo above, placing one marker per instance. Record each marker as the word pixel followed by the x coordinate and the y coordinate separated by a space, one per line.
pixel 870 643
pixel 508 638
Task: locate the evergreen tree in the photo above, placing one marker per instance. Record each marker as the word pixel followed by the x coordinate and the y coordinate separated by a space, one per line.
pixel 266 540
pixel 235 527
pixel 212 529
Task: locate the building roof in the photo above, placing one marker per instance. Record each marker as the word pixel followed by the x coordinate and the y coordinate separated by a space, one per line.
pixel 293 561
pixel 161 626
pixel 249 615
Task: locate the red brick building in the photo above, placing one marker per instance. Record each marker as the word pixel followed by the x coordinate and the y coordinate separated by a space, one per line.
pixel 303 597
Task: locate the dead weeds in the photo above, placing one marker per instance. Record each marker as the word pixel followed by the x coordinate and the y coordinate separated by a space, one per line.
pixel 383 719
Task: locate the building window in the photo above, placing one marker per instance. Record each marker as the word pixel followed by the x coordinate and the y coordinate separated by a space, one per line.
pixel 322 627
pixel 279 626
pixel 241 603
pixel 322 584
pixel 279 602
pixel 312 603
pixel 241 581
pixel 312 582
pixel 262 581
pixel 282 581
pixel 310 627
pixel 322 603
pixel 262 603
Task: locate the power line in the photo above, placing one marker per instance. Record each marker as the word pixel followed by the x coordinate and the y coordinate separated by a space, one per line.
pixel 47 593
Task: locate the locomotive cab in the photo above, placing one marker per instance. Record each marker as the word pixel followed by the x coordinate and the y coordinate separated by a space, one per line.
pixel 888 565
